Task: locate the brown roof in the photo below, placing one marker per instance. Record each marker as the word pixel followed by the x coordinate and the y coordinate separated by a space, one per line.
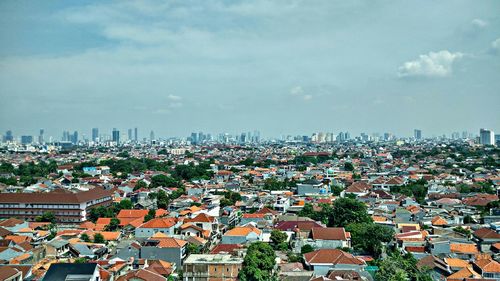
pixel 331 256
pixel 7 272
pixel 55 197
pixel 486 233
pixel 141 274
pixel 329 233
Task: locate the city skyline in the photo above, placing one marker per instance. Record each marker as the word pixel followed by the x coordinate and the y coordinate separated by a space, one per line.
pixel 286 68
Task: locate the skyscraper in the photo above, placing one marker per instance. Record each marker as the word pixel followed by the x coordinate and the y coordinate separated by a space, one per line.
pixel 74 137
pixel 116 136
pixel 95 134
pixel 486 137
pixel 152 136
pixel 135 134
pixel 40 136
pixel 9 136
pixel 417 134
pixel 130 134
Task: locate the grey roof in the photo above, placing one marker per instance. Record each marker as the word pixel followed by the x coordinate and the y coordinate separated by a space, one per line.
pixel 79 271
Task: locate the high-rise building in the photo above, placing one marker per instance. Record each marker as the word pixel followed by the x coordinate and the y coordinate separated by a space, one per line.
pixel 486 137
pixel 417 134
pixel 116 136
pixel 74 137
pixel 40 136
pixel 130 134
pixel 135 134
pixel 26 139
pixel 152 135
pixel 194 138
pixel 95 134
pixel 8 136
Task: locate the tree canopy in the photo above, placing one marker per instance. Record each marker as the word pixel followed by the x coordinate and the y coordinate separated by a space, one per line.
pixel 259 263
pixel 346 211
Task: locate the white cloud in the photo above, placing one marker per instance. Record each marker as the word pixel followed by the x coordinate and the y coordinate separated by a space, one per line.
pixel 495 45
pixel 434 64
pixel 479 23
pixel 296 91
pixel 174 98
pixel 307 97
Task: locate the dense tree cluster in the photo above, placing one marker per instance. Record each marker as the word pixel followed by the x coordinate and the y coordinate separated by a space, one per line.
pixel 259 263
pixel 397 267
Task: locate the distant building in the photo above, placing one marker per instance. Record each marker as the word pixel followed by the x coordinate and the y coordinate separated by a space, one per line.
pixel 8 136
pixel 26 139
pixel 135 134
pixel 116 136
pixel 486 137
pixel 129 134
pixel 95 134
pixel 417 134
pixel 40 136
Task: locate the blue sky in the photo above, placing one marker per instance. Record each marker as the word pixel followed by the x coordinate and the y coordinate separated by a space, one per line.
pixel 278 66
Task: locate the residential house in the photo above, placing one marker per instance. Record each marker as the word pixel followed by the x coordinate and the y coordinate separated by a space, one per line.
pixel 323 260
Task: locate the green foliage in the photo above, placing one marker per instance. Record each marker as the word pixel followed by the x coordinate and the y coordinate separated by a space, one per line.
pixel 259 263
pixel 193 249
pixel 125 204
pixel 113 225
pixel 346 211
pixel 397 267
pixel 247 162
pixel 462 230
pixel 140 184
pixel 135 165
pixel 324 215
pixel 306 249
pixel 30 169
pixel 80 260
pixel 348 166
pixel 230 198
pixel 84 237
pixel 274 184
pixel 416 190
pixel 46 217
pixel 336 190
pixel 278 240
pixel 98 238
pixel 6 168
pixel 151 215
pixel 369 237
pixel 163 180
pixel 9 181
pixel 191 171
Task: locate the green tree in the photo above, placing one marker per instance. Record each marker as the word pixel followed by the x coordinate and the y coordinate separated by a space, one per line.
pixel 259 263
pixel 348 166
pixel 370 237
pixel 306 249
pixel 346 211
pixel 163 180
pixel 46 217
pixel 84 237
pixel 113 225
pixel 140 184
pixel 151 215
pixel 278 240
pixel 98 238
pixel 125 204
pixel 397 267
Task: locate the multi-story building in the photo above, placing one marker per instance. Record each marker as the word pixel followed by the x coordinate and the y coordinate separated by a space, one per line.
pixel 212 267
pixel 66 206
pixel 417 134
pixel 486 137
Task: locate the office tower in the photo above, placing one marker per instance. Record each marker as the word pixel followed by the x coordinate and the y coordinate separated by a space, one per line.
pixel 135 134
pixel 194 138
pixel 40 136
pixel 129 134
pixel 465 135
pixel 95 134
pixel 74 137
pixel 243 138
pixel 486 137
pixel 116 136
pixel 417 134
pixel 9 136
pixel 455 135
pixel 497 140
pixel 152 136
pixel 26 139
pixel 66 136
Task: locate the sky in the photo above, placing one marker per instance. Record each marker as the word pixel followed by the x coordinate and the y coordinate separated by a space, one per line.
pixel 281 67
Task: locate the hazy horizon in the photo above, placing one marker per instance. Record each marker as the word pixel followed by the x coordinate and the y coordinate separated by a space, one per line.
pixel 280 67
